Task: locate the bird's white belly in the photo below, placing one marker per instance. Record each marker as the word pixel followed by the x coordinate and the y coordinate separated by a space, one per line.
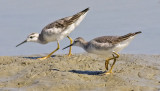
pixel 67 32
pixel 122 45
pixel 107 52
pixel 102 52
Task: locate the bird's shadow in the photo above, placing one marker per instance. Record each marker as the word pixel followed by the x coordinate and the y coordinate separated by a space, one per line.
pixel 37 57
pixel 81 72
pixel 87 72
pixel 55 69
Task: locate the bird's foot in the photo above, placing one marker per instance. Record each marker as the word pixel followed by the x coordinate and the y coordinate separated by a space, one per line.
pixel 106 73
pixel 43 58
pixel 70 54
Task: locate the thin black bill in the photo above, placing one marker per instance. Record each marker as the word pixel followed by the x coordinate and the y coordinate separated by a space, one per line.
pixel 21 43
pixel 67 46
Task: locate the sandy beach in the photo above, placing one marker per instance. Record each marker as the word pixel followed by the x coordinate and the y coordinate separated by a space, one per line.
pixel 80 72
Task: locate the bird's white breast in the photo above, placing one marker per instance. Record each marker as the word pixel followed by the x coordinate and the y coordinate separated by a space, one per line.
pixel 52 34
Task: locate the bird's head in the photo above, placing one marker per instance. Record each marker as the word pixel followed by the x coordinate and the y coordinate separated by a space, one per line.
pixel 77 42
pixel 33 37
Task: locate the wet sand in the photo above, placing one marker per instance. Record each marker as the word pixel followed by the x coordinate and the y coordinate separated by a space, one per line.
pixel 80 72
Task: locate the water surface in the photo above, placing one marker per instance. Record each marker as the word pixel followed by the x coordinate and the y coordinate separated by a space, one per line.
pixel 106 17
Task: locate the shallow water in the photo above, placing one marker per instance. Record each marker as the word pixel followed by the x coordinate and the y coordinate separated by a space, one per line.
pixel 106 17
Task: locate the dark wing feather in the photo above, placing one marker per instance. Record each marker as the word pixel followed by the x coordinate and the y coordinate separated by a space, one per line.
pixel 65 22
pixel 115 39
pixel 62 23
pixel 125 37
pixel 75 17
pixel 106 39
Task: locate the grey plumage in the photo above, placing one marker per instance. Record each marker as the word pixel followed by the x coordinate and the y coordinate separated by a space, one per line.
pixel 57 31
pixel 114 39
pixel 103 43
pixel 61 23
pixel 64 22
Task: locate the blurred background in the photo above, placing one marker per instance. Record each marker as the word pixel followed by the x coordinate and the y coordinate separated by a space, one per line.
pixel 19 18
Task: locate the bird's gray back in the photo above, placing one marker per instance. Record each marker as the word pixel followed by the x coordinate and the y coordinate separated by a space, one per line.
pixel 114 39
pixel 64 22
pixel 102 43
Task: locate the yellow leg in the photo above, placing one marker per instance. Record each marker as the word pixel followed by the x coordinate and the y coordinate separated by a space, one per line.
pixel 50 53
pixel 110 71
pixel 117 55
pixel 69 54
pixel 107 62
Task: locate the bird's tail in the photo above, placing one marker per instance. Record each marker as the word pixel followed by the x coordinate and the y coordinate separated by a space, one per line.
pixel 137 32
pixel 76 16
pixel 127 36
pixel 84 11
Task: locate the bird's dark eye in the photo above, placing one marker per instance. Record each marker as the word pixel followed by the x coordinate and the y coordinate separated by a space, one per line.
pixel 31 37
